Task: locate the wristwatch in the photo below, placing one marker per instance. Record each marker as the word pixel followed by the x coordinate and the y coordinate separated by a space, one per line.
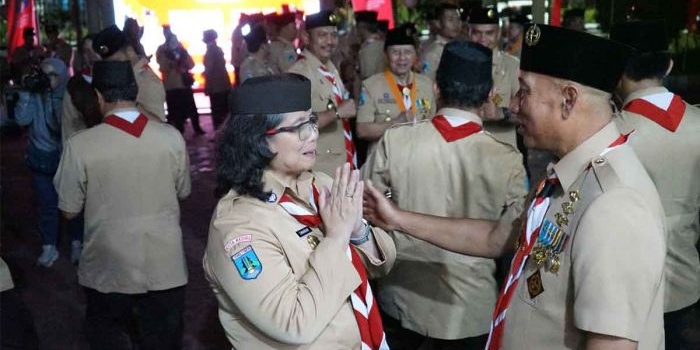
pixel 365 236
pixel 332 107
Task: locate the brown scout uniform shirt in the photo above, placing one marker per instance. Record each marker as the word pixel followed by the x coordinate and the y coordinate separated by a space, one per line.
pixel 331 140
pixel 215 73
pixel 283 54
pixel 430 290
pixel 430 56
pixel 129 188
pixel 372 58
pixel 377 103
pixel 505 80
pixel 611 276
pixel 253 67
pixel 672 160
pixel 299 296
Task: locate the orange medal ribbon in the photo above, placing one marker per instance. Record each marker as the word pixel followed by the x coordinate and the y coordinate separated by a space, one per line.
pixel 398 95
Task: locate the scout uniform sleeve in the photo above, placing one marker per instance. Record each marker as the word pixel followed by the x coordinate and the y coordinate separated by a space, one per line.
pixel 518 187
pixel 366 107
pixel 387 251
pixel 289 308
pixel 70 181
pixel 617 265
pixel 376 168
pixel 183 184
pixel 151 96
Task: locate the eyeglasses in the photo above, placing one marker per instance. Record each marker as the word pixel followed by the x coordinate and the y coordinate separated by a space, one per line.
pixel 304 130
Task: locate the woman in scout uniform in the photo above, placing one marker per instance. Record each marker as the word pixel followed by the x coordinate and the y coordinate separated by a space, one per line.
pixel 589 251
pixel 287 247
pixel 396 95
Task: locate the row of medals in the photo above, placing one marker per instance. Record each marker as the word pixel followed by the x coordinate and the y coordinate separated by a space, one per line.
pixel 545 255
pixel 422 103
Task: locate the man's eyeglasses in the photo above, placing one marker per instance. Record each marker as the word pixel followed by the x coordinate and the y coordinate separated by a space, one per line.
pixel 304 130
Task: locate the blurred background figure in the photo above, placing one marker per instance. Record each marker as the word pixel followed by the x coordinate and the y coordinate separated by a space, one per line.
pixel 85 58
pixel 514 34
pixel 175 65
pixel 26 57
pixel 574 19
pixel 371 56
pixel 57 47
pixel 257 62
pixel 39 108
pixel 283 53
pixel 216 81
pixel 448 25
pixel 134 32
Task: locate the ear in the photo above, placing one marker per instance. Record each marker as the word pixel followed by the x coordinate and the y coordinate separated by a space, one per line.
pixel 670 67
pixel 100 101
pixel 436 91
pixel 570 97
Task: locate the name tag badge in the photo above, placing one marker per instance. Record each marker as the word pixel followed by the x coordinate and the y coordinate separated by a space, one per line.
pixel 304 231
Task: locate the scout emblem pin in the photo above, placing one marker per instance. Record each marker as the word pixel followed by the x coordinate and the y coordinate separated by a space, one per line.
pixel 532 36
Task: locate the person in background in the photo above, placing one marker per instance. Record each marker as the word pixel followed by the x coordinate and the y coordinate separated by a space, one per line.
pixel 27 57
pixel 445 166
pixel 128 174
pixel 134 32
pixel 514 37
pixel 82 111
pixel 667 141
pixel 257 63
pixel 216 80
pixel 574 19
pixel 57 47
pixel 112 45
pixel 278 289
pixel 39 108
pixel 371 57
pixel 282 51
pixel 175 64
pixel 448 25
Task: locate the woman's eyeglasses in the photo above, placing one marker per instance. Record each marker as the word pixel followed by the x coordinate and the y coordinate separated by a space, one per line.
pixel 304 130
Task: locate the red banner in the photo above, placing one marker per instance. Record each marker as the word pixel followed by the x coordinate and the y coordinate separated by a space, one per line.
pixel 383 8
pixel 20 15
pixel 555 13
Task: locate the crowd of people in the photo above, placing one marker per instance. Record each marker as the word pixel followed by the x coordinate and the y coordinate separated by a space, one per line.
pixel 373 192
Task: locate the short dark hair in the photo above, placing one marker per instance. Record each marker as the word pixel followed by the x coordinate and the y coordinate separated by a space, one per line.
pixel 113 93
pixel 84 99
pixel 243 154
pixel 444 7
pixel 462 95
pixel 650 65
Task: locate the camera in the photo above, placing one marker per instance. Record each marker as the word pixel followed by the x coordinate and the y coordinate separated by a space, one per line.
pixel 37 81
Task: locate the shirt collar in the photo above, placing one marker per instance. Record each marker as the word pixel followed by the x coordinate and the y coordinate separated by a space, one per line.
pixel 454 113
pixel 572 165
pixel 644 92
pixel 315 61
pixel 299 187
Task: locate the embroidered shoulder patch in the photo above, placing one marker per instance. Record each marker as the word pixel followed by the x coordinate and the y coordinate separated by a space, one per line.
pixel 236 241
pixel 247 263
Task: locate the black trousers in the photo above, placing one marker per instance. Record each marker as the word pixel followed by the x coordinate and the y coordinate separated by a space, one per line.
pixel 677 324
pixel 400 338
pixel 219 108
pixel 181 106
pixel 149 321
pixel 17 331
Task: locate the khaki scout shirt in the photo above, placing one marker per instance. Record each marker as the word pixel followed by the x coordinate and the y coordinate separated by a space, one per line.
pixel 5 277
pixel 253 67
pixel 129 188
pixel 672 160
pixel 372 58
pixel 72 120
pixel 430 56
pixel 151 96
pixel 611 276
pixel 283 54
pixel 505 80
pixel 430 290
pixel 331 140
pixel 377 103
pixel 292 296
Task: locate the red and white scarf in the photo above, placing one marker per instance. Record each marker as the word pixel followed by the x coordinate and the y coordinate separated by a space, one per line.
pixel 363 304
pixel 453 131
pixel 350 152
pixel 531 231
pixel 122 121
pixel 665 109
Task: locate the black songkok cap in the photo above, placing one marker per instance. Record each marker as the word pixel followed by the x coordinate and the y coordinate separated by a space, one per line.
pixel 645 36
pixel 568 14
pixel 519 18
pixel 283 19
pixel 255 37
pixel 112 75
pixel 322 19
pixel 366 16
pixel 573 55
pixel 383 25
pixel 483 15
pixel 108 41
pixel 399 36
pixel 272 94
pixel 465 62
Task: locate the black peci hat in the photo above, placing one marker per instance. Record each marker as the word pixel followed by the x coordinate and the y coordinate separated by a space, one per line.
pixel 272 94
pixel 255 38
pixel 322 19
pixel 108 41
pixel 483 15
pixel 366 16
pixel 383 25
pixel 112 75
pixel 400 36
pixel 645 36
pixel 465 62
pixel 573 55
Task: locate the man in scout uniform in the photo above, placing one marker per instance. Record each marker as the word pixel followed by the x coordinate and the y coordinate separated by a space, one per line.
pixel 371 55
pixel 667 141
pixel 396 95
pixel 484 29
pixel 133 258
pixel 448 24
pixel 446 167
pixel 256 64
pixel 588 267
pixel 112 45
pixel 282 51
pixel 329 98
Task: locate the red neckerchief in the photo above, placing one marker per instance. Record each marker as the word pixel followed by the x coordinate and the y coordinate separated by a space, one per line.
pixel 135 129
pixel 669 118
pixel 364 306
pixel 453 133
